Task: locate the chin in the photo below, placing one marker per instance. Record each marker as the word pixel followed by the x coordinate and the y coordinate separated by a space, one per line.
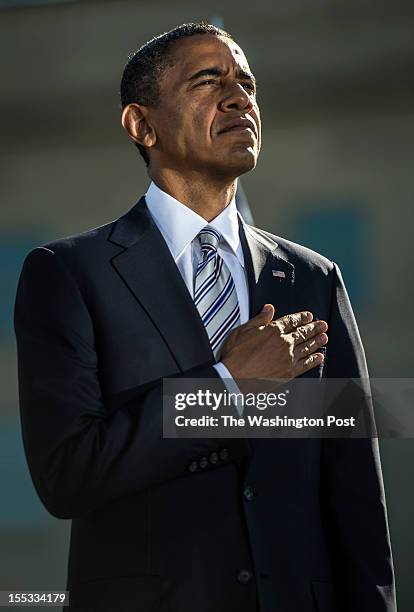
pixel 242 160
pixel 238 161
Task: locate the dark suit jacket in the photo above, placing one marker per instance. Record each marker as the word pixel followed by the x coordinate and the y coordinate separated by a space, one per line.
pixel 100 319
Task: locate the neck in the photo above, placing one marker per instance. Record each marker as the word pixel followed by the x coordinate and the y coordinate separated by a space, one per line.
pixel 206 197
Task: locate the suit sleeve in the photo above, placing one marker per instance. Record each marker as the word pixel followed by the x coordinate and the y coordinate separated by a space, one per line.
pixel 81 455
pixel 352 488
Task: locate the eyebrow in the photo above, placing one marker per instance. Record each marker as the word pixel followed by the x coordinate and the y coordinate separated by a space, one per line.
pixel 215 71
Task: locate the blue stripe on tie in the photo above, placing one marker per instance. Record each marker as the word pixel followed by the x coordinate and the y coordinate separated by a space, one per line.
pixel 228 321
pixel 205 247
pixel 224 296
pixel 224 331
pixel 218 302
pixel 226 326
pixel 204 262
pixel 208 283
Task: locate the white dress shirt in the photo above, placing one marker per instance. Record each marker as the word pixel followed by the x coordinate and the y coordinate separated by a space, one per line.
pixel 179 226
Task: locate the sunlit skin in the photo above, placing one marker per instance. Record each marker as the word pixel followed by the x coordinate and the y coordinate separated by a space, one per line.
pixel 209 86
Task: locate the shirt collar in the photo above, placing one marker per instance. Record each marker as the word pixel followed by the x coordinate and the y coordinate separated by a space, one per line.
pixel 179 224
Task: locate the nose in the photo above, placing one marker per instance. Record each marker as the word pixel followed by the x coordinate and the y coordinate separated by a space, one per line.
pixel 236 98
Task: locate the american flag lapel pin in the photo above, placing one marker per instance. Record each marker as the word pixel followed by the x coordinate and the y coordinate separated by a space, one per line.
pixel 278 274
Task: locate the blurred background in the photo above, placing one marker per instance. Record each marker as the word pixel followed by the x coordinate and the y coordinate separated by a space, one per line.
pixel 336 91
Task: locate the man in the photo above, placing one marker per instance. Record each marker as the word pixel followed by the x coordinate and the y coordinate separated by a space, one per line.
pixel 181 287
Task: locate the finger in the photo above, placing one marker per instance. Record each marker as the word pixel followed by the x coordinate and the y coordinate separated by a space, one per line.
pixel 263 318
pixel 303 365
pixel 290 322
pixel 307 332
pixel 303 350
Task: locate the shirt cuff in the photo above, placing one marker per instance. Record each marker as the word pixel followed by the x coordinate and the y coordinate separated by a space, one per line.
pixel 230 383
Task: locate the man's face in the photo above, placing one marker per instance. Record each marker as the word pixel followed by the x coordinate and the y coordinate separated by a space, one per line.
pixel 208 118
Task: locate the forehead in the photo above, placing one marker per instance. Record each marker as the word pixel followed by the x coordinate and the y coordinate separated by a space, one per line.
pixel 203 51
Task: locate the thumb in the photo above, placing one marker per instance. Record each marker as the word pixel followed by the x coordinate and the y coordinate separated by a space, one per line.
pixel 263 318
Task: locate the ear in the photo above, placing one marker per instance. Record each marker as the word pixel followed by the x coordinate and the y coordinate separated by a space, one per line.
pixel 135 122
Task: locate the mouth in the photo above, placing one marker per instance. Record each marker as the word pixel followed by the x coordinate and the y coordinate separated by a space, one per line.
pixel 240 126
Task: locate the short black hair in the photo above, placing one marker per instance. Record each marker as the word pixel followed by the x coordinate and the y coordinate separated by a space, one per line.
pixel 142 73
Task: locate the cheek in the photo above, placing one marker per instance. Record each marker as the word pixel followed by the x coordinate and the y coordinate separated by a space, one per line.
pixel 259 125
pixel 171 129
pixel 257 117
pixel 187 127
pixel 198 127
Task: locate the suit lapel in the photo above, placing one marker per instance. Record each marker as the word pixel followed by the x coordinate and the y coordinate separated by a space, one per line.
pixel 263 257
pixel 150 272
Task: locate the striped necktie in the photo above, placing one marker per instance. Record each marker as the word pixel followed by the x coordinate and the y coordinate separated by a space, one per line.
pixel 214 291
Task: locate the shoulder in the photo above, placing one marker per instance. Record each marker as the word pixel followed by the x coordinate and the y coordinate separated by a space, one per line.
pixel 83 241
pixel 103 241
pixel 82 248
pixel 76 256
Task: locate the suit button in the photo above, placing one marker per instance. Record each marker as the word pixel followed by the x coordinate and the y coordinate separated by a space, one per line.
pixel 203 463
pixel 224 454
pixel 214 458
pixel 193 467
pixel 244 576
pixel 248 493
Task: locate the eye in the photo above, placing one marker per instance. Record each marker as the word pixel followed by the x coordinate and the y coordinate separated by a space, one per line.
pixel 250 87
pixel 207 82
